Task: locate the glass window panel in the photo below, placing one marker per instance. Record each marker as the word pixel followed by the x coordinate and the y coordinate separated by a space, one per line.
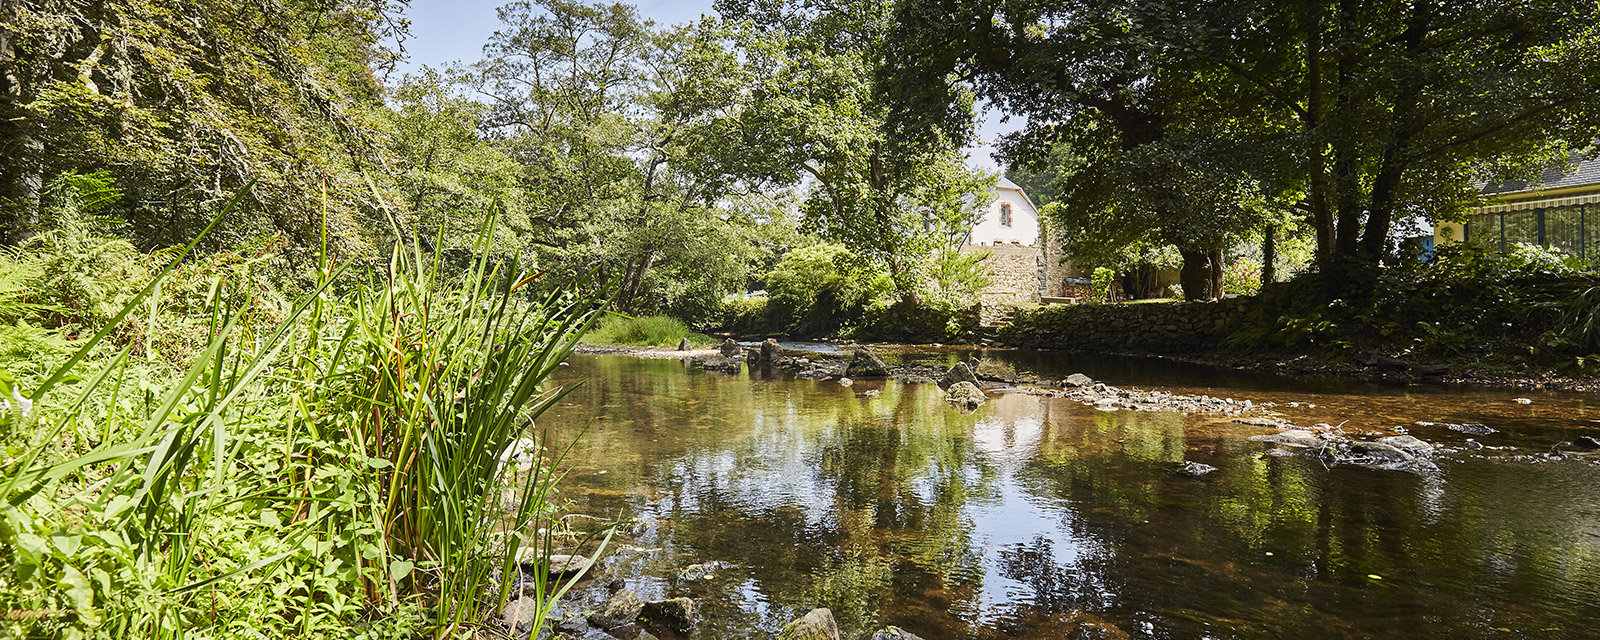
pixel 1522 227
pixel 1484 228
pixel 1591 230
pixel 1561 230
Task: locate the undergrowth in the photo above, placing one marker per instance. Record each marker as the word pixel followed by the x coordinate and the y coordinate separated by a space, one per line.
pixel 330 464
pixel 645 331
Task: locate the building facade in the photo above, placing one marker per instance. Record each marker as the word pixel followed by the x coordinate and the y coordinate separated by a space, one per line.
pixel 1559 211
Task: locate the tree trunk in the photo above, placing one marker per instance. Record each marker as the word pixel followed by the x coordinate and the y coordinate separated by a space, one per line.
pixel 1215 258
pixel 1195 275
pixel 1269 256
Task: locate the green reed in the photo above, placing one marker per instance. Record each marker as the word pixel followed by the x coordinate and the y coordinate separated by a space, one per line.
pixel 335 474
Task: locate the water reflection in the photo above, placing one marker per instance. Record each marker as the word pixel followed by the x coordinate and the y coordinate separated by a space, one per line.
pixel 1040 517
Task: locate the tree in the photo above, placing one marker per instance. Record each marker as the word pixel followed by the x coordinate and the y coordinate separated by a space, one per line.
pixel 815 112
pixel 184 102
pixel 1366 113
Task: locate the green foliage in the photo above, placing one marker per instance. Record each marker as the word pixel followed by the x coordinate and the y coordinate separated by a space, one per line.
pixel 957 278
pixel 1471 304
pixel 338 470
pixel 1101 283
pixel 649 331
pixel 817 291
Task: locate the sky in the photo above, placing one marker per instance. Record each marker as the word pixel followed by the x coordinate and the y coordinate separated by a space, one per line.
pixel 445 31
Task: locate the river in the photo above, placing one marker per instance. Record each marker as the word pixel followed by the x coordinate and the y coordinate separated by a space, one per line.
pixel 1038 517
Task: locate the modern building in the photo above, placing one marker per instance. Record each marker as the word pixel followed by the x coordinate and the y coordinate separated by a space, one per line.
pixel 1559 210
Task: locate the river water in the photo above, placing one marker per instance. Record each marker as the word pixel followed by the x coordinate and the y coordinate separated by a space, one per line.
pixel 1040 517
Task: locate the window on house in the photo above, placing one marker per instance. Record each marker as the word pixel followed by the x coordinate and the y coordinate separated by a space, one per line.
pixel 1005 214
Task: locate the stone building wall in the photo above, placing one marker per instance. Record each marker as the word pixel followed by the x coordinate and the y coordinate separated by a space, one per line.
pixel 1177 327
pixel 1058 270
pixel 1015 271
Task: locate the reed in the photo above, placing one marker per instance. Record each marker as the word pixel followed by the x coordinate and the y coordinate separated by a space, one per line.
pixel 336 473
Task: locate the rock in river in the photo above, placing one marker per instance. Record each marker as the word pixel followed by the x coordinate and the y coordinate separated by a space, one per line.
pixel 560 565
pixel 519 614
pixel 621 610
pixel 894 633
pixel 704 570
pixel 866 364
pixel 678 613
pixel 730 348
pixel 965 394
pixel 1195 469
pixel 816 624
pixel 1472 428
pixel 959 373
pixel 683 345
pixel 1077 380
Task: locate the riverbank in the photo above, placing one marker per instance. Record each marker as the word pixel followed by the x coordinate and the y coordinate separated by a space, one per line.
pixel 1282 363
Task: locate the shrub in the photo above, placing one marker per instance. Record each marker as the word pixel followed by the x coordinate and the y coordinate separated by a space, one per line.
pixel 1242 277
pixel 818 291
pixel 1101 282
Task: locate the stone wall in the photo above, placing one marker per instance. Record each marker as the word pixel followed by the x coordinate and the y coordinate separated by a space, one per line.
pixel 1015 271
pixel 1176 327
pixel 1057 270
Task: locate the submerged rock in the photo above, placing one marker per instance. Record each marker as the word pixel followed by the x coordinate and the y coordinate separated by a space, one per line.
pixel 965 394
pixel 958 373
pixel 678 613
pixel 995 371
pixel 717 363
pixel 1292 438
pixel 894 633
pixel 704 570
pixel 1195 469
pixel 866 364
pixel 729 348
pixel 816 624
pixel 1472 428
pixel 845 382
pixel 1408 444
pixel 620 611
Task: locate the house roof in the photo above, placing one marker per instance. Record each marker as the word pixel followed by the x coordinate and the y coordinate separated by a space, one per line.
pixel 1006 183
pixel 1586 173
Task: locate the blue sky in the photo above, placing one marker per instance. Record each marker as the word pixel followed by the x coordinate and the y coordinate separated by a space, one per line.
pixel 445 31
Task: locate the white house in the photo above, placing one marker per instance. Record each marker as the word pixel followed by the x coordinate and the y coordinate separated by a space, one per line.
pixel 1010 219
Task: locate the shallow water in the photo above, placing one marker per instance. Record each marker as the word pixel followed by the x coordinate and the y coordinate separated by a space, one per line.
pixel 1042 518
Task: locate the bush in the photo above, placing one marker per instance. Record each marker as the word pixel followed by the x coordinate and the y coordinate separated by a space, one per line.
pixel 648 331
pixel 918 323
pixel 1101 282
pixel 818 291
pixel 1242 277
pixel 746 316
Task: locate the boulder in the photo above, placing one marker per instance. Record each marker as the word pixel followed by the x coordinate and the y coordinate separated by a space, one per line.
pixel 1195 469
pixel 520 614
pixel 571 626
pixel 753 356
pixel 678 613
pixel 730 348
pixel 770 351
pixel 620 611
pixel 866 364
pixel 1586 442
pixel 560 565
pixel 704 570
pixel 816 624
pixel 894 633
pixel 1077 380
pixel 845 382
pixel 959 373
pixel 965 394
pixel 683 345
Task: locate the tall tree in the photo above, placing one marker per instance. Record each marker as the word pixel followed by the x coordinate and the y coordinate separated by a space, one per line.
pixel 816 114
pixel 184 102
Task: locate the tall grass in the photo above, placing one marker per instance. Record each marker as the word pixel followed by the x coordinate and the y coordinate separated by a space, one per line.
pixel 336 473
pixel 649 331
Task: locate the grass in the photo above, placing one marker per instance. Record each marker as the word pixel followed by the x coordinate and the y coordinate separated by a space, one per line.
pixel 645 331
pixel 330 471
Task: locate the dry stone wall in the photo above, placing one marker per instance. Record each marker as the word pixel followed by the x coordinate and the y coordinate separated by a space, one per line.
pixel 1169 328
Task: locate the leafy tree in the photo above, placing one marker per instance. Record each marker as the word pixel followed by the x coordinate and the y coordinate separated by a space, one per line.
pixel 183 102
pixel 816 113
